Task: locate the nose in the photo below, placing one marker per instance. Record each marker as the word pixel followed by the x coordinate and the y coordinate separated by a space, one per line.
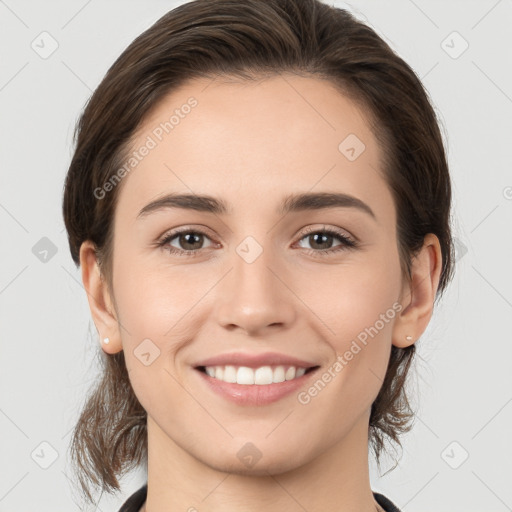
pixel 256 296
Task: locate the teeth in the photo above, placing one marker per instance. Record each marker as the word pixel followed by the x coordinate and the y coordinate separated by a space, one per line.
pixel 260 376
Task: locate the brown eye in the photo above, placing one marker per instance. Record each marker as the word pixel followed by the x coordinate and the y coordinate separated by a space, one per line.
pixel 189 242
pixel 321 241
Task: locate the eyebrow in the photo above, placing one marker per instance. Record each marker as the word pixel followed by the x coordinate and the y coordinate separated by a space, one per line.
pixel 292 203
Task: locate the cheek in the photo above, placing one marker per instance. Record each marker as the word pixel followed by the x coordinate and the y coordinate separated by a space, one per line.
pixel 161 310
pixel 358 310
pixel 152 300
pixel 360 317
pixel 356 292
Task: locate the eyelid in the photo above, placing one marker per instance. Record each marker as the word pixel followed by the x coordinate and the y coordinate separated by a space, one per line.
pixel 303 231
pixel 324 227
pixel 199 228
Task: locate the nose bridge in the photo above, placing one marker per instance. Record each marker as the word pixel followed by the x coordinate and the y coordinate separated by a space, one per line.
pixel 252 274
pixel 255 297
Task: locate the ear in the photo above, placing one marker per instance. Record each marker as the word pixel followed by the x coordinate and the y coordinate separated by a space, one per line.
pixel 100 302
pixel 419 293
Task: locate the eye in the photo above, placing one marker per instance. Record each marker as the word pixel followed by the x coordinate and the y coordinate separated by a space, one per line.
pixel 318 237
pixel 188 238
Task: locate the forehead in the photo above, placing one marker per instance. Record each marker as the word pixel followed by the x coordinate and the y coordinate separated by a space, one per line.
pixel 254 142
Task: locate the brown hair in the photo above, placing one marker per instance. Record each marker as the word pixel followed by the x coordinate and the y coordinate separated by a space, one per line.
pixel 250 39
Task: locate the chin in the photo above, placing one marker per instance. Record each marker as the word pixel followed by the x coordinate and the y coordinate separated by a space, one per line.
pixel 276 464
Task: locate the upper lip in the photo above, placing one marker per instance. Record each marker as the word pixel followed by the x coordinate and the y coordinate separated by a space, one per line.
pixel 255 360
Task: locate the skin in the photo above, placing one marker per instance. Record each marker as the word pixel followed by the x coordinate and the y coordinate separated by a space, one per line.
pixel 251 144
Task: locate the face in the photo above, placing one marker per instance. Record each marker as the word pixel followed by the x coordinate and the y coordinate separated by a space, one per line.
pixel 317 287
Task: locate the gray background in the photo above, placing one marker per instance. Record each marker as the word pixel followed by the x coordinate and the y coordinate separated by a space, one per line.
pixel 48 342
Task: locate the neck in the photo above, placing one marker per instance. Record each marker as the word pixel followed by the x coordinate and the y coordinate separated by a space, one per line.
pixel 337 479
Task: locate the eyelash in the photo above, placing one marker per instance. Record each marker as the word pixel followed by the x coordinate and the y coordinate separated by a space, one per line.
pixel 347 242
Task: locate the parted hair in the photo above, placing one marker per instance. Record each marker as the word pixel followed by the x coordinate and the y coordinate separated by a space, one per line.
pixel 249 40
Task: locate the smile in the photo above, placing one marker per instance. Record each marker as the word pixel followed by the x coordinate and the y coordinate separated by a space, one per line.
pixel 260 376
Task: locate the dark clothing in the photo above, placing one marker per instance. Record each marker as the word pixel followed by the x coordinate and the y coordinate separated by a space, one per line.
pixel 385 503
pixel 137 499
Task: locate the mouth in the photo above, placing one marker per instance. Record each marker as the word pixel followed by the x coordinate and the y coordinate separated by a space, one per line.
pixel 258 386
pixel 260 376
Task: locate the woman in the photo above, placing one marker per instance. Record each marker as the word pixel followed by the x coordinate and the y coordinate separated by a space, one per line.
pixel 259 200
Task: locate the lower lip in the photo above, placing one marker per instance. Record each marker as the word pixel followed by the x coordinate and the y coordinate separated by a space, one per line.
pixel 255 394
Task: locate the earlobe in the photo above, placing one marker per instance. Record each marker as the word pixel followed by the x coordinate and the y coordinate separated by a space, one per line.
pixel 419 293
pixel 100 303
